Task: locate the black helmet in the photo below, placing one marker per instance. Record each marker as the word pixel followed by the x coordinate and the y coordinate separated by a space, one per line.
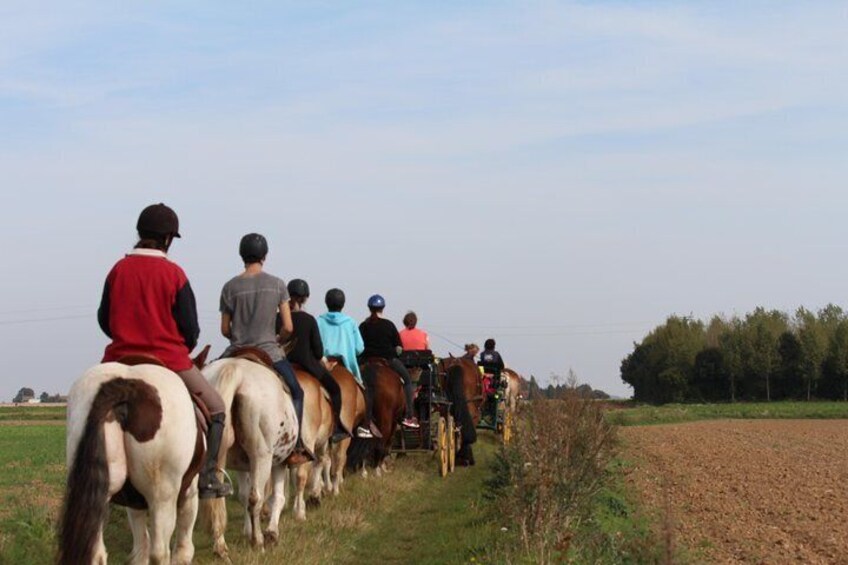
pixel 158 220
pixel 298 288
pixel 253 248
pixel 335 300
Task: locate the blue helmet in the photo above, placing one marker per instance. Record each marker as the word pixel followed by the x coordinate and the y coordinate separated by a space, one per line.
pixel 376 301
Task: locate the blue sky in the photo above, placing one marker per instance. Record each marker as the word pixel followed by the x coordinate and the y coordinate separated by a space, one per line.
pixel 558 175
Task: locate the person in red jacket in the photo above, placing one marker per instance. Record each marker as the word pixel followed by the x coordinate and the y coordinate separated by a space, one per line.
pixel 148 308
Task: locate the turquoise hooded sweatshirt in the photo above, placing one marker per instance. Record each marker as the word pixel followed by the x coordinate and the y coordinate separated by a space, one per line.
pixel 341 338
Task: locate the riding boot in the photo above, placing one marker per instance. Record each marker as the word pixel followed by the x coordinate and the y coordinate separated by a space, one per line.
pixel 300 447
pixel 332 387
pixel 209 486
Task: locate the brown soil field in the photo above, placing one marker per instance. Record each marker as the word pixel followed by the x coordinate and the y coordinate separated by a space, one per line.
pixel 746 491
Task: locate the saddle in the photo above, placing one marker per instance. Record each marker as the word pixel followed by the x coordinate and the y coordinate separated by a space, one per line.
pixel 253 354
pixel 382 363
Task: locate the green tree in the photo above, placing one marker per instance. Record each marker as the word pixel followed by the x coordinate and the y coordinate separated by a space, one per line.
pixel 760 339
pixel 812 335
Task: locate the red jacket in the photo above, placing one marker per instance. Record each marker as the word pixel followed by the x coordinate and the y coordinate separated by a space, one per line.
pixel 148 307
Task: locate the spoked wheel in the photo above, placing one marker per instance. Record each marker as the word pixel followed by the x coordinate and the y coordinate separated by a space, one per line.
pixel 451 435
pixel 442 447
pixel 507 427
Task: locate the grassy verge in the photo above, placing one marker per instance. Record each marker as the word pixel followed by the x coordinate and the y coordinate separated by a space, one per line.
pixel 673 413
pixel 410 515
pixel 32 413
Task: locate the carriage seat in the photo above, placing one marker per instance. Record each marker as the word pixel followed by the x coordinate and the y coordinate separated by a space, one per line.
pixel 417 358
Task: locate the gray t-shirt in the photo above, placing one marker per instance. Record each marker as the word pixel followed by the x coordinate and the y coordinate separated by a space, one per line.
pixel 252 303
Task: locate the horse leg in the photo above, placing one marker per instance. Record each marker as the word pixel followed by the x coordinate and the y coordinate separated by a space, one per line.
pixel 244 494
pixel 277 502
pixel 100 555
pixel 326 468
pixel 301 475
pixel 141 540
pixel 186 517
pixel 260 472
pixel 163 519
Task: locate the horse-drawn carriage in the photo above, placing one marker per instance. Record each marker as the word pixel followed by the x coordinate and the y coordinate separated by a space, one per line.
pixel 438 432
pixel 494 413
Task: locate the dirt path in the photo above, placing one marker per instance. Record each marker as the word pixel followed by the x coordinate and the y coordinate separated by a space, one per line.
pixel 744 491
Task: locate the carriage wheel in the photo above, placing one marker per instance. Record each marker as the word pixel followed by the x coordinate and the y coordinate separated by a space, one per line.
pixel 451 434
pixel 442 447
pixel 507 427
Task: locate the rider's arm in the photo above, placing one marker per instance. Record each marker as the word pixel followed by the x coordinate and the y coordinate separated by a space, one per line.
pixel 185 314
pixel 103 310
pixel 226 321
pixel 315 342
pixel 288 327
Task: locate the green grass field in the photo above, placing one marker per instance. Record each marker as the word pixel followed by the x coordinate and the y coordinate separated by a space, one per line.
pixel 410 515
pixel 673 413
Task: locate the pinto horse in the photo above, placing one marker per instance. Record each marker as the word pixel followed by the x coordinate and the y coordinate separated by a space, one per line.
pixel 389 405
pixel 259 435
pixel 132 437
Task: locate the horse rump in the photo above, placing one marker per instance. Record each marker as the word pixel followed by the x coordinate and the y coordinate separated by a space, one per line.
pixel 136 406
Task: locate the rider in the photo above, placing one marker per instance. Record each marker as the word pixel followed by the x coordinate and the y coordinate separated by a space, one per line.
pixel 411 338
pixel 308 349
pixel 382 340
pixel 249 306
pixel 342 339
pixel 148 307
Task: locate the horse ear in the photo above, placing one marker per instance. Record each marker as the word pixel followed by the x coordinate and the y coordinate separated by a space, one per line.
pixel 200 360
pixel 451 355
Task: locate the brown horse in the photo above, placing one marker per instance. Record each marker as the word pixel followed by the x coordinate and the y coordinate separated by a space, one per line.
pixel 389 406
pixel 460 379
pixel 352 415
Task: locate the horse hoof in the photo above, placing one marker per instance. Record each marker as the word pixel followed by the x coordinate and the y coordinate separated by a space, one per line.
pixel 271 538
pixel 313 502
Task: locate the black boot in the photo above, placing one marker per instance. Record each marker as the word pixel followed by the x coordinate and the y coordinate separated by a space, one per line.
pixel 208 485
pixel 368 424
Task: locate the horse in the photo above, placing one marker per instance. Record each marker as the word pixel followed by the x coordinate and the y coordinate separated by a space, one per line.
pixel 460 379
pixel 132 438
pixel 389 406
pixel 352 414
pixel 259 435
pixel 316 429
pixel 513 389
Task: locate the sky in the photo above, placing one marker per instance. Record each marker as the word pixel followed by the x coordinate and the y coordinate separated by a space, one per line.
pixel 560 176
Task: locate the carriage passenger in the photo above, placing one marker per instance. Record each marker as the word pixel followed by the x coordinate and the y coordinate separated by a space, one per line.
pixel 490 359
pixel 412 338
pixel 148 308
pixel 308 349
pixel 383 341
pixel 342 339
pixel 471 351
pixel 250 303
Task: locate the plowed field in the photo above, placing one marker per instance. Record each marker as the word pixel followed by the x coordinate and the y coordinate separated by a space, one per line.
pixel 746 491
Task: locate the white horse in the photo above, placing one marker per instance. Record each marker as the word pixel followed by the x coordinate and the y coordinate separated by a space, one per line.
pixel 131 435
pixel 259 435
pixel 513 389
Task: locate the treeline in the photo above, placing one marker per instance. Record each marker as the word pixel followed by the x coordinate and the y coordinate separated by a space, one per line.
pixel 767 355
pixel 558 390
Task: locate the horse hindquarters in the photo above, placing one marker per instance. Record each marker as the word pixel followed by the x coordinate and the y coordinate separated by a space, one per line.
pixel 90 484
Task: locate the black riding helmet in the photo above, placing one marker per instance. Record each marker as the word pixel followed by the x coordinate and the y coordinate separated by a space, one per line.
pixel 335 300
pixel 158 220
pixel 253 248
pixel 298 288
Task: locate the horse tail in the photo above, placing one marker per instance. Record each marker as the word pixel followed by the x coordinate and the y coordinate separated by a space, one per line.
pixel 362 449
pixel 86 505
pixel 213 511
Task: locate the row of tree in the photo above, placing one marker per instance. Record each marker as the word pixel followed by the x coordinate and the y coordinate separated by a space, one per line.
pixel 767 355
pixel 559 387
